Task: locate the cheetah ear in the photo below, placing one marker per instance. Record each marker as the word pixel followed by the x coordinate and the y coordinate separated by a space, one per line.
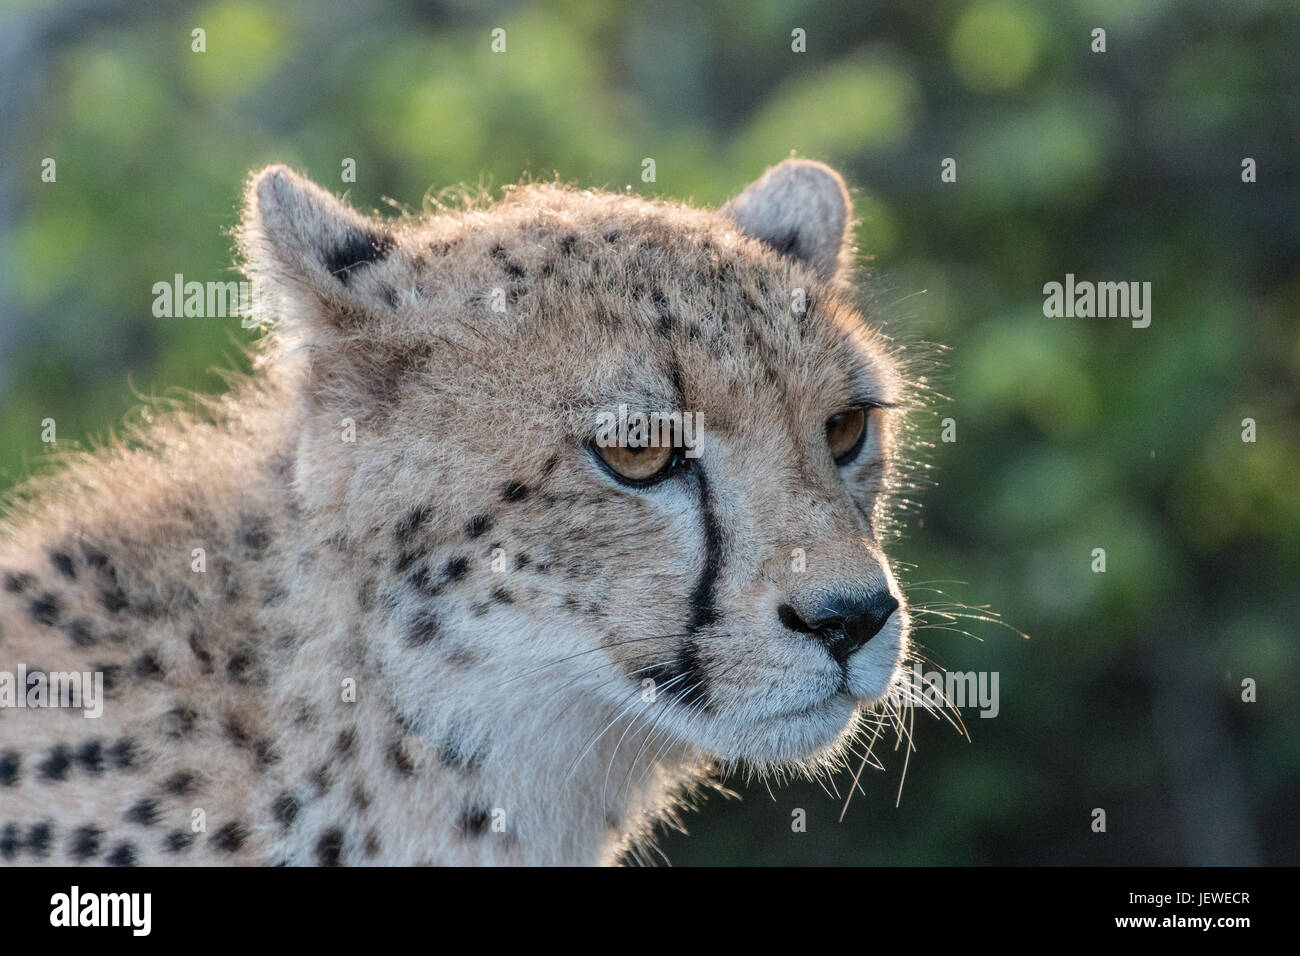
pixel 801 209
pixel 311 251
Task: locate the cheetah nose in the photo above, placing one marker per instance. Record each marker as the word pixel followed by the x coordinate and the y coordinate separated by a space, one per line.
pixel 844 623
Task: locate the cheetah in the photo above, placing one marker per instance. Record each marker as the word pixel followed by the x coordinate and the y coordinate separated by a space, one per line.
pixel 386 602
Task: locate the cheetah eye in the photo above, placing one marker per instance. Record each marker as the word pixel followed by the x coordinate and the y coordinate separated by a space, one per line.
pixel 637 466
pixel 846 432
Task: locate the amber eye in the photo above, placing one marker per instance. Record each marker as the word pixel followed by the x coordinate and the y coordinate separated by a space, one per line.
pixel 845 432
pixel 638 466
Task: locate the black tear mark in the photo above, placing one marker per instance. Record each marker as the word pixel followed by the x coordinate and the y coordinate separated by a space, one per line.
pixel 703 611
pixel 329 848
pixel 229 838
pixel 358 247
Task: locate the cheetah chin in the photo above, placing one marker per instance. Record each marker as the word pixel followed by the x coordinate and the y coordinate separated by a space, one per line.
pixel 447 579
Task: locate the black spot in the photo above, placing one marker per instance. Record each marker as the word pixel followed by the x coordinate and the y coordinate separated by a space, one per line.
pixel 264 753
pixel 410 524
pixel 177 722
pixel 91 756
pixel 123 855
pixel 55 765
pixel 38 838
pixel 180 783
pixel 229 838
pixel 84 843
pixel 94 557
pixel 147 666
pixel 78 632
pixel 9 841
pixel 18 582
pixel 111 673
pixel 201 653
pixel 423 629
pixel 113 598
pixel 235 731
pixel 360 799
pixel 239 665
pixel 285 809
pixel 406 558
pixel 11 763
pixel 144 812
pixel 45 609
pixel 397 756
pixel 321 778
pixel 515 491
pixel 63 562
pixel 254 535
pixel 329 848
pixel 473 821
pixel 456 568
pixel 346 742
pixel 422 582
pixel 479 525
pixel 453 753
pixel 178 841
pixel 372 843
pixel 359 246
pixel 502 596
pixel 123 754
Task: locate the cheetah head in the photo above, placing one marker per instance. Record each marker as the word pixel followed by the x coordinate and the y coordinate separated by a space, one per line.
pixel 724 585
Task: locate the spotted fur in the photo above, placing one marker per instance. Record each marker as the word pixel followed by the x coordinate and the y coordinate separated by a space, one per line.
pixel 497 601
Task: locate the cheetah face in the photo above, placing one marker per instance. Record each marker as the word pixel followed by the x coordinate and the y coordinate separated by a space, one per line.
pixel 721 586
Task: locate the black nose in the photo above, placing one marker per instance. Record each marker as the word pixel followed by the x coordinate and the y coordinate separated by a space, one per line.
pixel 843 623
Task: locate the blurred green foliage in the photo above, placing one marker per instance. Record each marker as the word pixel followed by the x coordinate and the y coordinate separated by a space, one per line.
pixel 1072 434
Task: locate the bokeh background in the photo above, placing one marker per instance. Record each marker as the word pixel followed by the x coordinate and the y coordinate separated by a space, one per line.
pixel 1072 434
